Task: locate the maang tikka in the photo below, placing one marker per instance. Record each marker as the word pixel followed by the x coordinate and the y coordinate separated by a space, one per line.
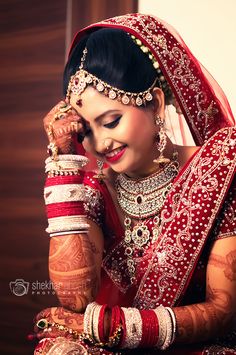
pixel 161 142
pixel 82 78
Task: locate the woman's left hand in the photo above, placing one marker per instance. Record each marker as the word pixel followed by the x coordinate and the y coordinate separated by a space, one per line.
pixel 56 317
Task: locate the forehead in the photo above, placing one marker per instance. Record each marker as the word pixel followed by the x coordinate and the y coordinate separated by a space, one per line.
pixel 94 104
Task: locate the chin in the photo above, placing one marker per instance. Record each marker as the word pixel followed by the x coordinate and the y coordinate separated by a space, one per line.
pixel 118 170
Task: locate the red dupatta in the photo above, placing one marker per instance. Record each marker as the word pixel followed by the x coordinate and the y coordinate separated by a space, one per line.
pixel 188 216
pixel 206 111
pixel 202 101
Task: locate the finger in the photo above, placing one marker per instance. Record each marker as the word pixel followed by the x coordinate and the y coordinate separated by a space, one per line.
pixel 76 127
pixel 67 129
pixel 45 313
pixel 59 111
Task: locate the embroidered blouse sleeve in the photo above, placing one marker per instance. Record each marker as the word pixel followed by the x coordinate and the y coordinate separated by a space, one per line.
pixel 226 223
pixel 94 202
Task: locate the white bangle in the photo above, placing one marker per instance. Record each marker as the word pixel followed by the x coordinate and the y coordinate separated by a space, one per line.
pixel 95 320
pixel 68 232
pixel 173 319
pixel 80 159
pixel 133 324
pixel 67 164
pixel 88 327
pixel 64 193
pixel 67 223
pixel 165 327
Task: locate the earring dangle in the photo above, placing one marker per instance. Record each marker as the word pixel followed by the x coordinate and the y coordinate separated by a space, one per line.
pixel 100 175
pixel 161 142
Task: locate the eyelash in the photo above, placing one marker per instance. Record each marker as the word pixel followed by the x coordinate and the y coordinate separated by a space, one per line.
pixel 109 125
pixel 114 123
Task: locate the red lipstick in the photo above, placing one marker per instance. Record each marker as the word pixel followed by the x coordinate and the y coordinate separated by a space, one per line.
pixel 116 157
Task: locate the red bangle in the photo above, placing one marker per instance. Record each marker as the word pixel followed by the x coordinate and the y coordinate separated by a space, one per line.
pixel 150 329
pixel 115 319
pixel 62 180
pixel 74 208
pixel 116 323
pixel 101 323
pixel 122 317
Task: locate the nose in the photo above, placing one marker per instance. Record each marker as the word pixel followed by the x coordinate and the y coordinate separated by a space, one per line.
pixel 107 143
pixel 101 140
pixel 102 144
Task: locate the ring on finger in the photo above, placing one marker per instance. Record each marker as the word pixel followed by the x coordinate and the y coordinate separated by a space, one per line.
pixel 42 323
pixel 65 108
pixel 61 113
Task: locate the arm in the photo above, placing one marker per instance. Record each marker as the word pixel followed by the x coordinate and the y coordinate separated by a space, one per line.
pixel 74 259
pixel 212 318
pixel 74 267
pixel 197 322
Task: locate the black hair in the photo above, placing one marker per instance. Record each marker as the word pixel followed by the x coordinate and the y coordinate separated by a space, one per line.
pixel 114 58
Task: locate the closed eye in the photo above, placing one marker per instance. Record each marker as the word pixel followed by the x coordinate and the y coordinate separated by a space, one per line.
pixel 114 123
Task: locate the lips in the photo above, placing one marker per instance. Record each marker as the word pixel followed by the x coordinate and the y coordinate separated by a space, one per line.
pixel 115 154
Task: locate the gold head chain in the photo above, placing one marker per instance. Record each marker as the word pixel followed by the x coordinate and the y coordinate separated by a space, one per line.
pixel 82 78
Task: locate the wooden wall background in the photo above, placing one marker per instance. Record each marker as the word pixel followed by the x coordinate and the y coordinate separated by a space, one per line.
pixel 33 37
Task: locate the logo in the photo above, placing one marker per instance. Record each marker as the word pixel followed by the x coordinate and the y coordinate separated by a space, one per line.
pixel 19 287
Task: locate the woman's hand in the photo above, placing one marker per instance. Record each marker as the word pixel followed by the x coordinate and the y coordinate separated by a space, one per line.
pixel 58 316
pixel 61 124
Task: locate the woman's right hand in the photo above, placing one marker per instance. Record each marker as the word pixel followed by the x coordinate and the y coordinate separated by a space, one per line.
pixel 61 124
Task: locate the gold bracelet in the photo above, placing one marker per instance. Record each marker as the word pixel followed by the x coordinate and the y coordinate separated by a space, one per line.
pixel 113 340
pixel 43 324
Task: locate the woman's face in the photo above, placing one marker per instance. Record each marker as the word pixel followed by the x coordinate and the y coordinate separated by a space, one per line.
pixel 127 131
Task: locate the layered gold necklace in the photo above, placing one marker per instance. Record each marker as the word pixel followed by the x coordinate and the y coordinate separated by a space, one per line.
pixel 141 199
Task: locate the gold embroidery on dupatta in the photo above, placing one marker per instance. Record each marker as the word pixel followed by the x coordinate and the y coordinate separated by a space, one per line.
pixel 183 249
pixel 180 72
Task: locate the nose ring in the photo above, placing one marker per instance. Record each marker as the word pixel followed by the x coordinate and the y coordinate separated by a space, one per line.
pixel 106 143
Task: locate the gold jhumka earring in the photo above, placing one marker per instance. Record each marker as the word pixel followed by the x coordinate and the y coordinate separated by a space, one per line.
pixel 161 142
pixel 100 174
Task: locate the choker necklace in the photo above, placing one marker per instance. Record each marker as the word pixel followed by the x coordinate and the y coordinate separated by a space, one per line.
pixel 142 199
pixel 145 197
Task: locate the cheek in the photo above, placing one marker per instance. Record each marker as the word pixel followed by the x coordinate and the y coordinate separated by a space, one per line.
pixel 139 129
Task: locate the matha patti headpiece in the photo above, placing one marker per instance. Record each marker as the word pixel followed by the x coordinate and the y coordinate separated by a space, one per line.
pixel 82 78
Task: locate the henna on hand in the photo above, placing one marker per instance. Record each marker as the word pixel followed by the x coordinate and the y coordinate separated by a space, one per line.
pixel 228 264
pixel 59 316
pixel 64 128
pixel 214 317
pixel 72 269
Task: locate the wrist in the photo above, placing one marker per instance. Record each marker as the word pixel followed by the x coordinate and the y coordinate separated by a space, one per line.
pixel 65 195
pixel 65 164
